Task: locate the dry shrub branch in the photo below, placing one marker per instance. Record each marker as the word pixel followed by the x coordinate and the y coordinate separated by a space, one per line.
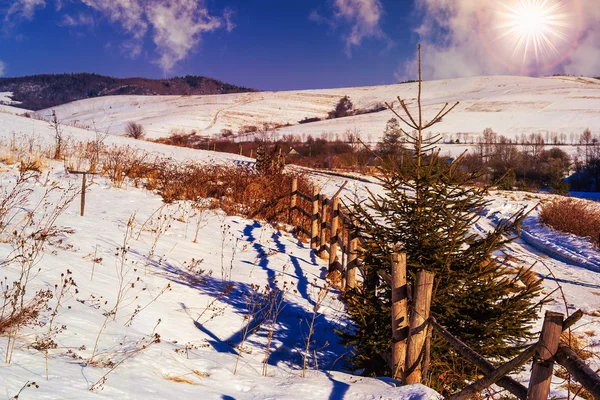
pixel 578 217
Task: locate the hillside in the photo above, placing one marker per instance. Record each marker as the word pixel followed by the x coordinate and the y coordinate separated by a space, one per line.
pixel 42 91
pixel 199 326
pixel 511 106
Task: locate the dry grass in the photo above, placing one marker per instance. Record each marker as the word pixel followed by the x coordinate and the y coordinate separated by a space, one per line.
pixel 179 379
pixel 578 217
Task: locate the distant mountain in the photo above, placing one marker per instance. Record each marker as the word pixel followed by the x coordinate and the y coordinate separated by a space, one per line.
pixel 37 92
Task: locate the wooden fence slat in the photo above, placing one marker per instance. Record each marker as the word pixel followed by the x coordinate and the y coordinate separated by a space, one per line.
pixel 83 190
pixel 399 314
pixel 293 196
pixel 485 366
pixel 470 391
pixel 418 327
pixel 314 231
pixel 543 365
pixel 333 243
pixel 583 374
pixel 351 267
pixel 572 319
pixel 304 212
pixel 323 225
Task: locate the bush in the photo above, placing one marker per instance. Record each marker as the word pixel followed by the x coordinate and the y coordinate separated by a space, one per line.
pixel 342 109
pixel 134 130
pixel 579 217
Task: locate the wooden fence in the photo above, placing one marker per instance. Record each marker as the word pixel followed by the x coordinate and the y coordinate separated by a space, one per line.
pixel 330 231
pixel 331 234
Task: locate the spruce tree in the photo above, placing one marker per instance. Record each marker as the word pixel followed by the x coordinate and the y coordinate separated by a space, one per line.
pixel 429 210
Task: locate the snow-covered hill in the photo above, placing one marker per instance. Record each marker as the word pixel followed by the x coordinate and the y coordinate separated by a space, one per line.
pixel 510 105
pixel 200 328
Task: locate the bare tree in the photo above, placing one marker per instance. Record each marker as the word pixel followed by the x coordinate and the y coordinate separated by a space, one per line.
pixel 58 136
pixel 134 130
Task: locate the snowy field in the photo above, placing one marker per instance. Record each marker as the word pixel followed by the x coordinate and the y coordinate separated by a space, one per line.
pixel 168 283
pixel 510 105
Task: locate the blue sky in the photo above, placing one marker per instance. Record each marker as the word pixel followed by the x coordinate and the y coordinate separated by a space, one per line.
pixel 281 44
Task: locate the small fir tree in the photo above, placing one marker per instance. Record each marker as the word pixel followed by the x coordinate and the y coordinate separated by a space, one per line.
pixel 390 147
pixel 429 210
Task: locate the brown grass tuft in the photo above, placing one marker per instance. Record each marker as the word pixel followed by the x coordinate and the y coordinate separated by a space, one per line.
pixel 179 379
pixel 578 217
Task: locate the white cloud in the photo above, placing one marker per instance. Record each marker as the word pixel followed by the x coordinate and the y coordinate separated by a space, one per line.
pixel 459 40
pixel 175 26
pixel 76 20
pixel 362 16
pixel 2 68
pixel 24 8
pixel 228 17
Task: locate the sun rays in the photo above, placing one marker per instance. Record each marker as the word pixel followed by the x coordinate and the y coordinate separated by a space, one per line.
pixel 532 34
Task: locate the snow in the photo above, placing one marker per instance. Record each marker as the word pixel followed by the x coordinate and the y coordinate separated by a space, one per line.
pixel 5 104
pixel 177 289
pixel 510 105
pixel 257 253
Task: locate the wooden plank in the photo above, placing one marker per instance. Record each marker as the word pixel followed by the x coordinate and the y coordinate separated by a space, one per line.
pixel 293 195
pixel 314 231
pixel 566 357
pixel 333 243
pixel 323 225
pixel 572 320
pixel 352 266
pixel 304 196
pixel 486 367
pixel 399 314
pixel 418 327
pixel 470 391
pixel 543 364
pixel 83 190
pixel 304 212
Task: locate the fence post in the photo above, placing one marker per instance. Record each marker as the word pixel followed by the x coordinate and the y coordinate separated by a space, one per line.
pixel 314 230
pixel 418 327
pixel 323 225
pixel 543 362
pixel 352 260
pixel 333 242
pixel 83 184
pixel 399 313
pixel 293 200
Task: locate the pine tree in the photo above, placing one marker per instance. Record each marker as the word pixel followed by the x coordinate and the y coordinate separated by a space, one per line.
pixel 390 147
pixel 429 210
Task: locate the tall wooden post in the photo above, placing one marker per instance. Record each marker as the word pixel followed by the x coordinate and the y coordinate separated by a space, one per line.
pixel 543 362
pixel 352 261
pixel 418 327
pixel 293 196
pixel 314 230
pixel 333 242
pixel 83 184
pixel 399 314
pixel 323 225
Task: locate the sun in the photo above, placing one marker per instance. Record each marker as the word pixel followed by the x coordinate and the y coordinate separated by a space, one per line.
pixel 533 33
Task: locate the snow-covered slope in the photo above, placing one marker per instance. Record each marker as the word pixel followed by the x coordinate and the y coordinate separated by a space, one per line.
pixel 139 271
pixel 509 105
pixel 5 104
pixel 257 253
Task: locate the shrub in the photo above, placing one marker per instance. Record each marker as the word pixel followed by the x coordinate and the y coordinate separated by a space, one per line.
pixel 342 109
pixel 134 130
pixel 579 217
pixel 308 120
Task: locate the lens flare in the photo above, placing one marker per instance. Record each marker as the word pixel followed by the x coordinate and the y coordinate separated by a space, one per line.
pixel 532 35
